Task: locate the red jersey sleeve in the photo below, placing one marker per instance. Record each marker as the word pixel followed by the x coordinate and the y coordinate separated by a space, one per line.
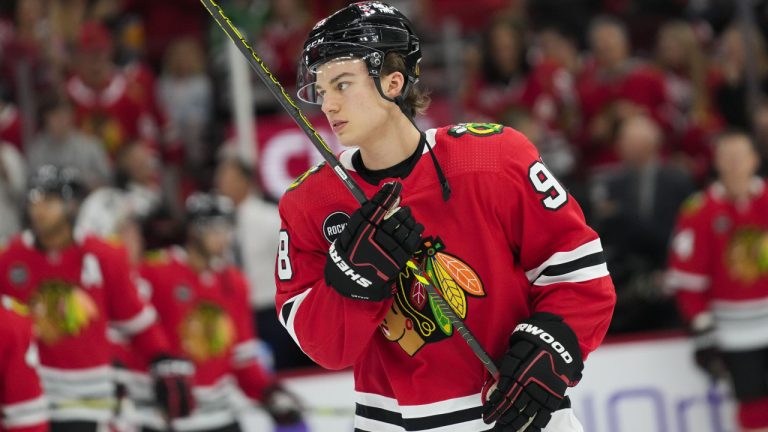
pixel 128 313
pixel 562 257
pixel 24 409
pixel 251 375
pixel 689 260
pixel 331 329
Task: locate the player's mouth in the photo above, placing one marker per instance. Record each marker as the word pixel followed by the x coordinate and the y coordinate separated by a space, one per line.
pixel 338 125
pixel 384 329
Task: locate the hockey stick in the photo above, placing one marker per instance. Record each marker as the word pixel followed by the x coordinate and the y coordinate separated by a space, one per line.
pixel 301 120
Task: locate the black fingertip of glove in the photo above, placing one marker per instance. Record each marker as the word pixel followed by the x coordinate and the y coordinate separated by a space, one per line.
pixel 555 326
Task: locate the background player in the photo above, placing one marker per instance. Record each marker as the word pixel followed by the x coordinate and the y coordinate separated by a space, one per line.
pixel 202 300
pixel 501 239
pixel 22 404
pixel 719 270
pixel 74 285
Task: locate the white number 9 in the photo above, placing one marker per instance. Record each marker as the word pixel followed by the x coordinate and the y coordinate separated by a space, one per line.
pixel 545 183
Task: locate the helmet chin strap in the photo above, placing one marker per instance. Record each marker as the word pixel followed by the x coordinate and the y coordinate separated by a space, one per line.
pixel 399 100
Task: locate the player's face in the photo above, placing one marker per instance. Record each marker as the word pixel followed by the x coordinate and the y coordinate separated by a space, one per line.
pixel 216 238
pixel 735 159
pixel 350 101
pixel 47 213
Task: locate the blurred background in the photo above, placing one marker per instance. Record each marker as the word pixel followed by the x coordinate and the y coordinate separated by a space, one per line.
pixel 150 98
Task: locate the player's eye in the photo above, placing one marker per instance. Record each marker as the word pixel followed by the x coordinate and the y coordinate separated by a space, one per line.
pixel 342 85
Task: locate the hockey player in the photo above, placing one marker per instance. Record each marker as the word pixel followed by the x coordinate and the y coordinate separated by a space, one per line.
pixel 76 285
pixel 501 239
pixel 22 404
pixel 202 301
pixel 719 271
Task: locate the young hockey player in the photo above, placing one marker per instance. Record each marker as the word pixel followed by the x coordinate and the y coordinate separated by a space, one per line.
pixel 22 404
pixel 719 271
pixel 75 286
pixel 202 301
pixel 474 206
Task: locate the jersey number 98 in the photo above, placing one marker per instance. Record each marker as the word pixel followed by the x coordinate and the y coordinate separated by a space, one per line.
pixel 545 183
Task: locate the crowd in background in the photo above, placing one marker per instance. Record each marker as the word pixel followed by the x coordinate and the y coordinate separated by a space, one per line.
pixel 622 97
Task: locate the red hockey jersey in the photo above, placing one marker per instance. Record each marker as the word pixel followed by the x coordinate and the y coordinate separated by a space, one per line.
pixel 719 264
pixel 207 316
pixel 22 404
pixel 509 242
pixel 73 294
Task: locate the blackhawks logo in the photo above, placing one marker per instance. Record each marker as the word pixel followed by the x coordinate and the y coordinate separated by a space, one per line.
pixel 206 332
pixel 476 129
pixel 414 319
pixel 747 254
pixel 60 309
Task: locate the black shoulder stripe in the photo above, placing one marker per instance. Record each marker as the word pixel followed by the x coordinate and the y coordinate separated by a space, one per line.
pixel 594 259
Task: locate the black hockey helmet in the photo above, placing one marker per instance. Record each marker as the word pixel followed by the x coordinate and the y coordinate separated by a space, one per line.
pixel 364 30
pixel 204 208
pixel 64 182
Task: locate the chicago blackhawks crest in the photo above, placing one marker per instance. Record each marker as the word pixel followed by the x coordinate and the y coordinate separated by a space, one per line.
pixel 207 332
pixel 60 310
pixel 414 319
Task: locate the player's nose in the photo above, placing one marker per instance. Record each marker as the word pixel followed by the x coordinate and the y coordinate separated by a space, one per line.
pixel 330 105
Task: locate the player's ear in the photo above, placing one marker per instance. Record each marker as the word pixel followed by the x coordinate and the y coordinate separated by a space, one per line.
pixel 393 84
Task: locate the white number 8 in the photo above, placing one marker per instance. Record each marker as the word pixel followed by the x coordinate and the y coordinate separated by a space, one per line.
pixel 545 183
pixel 284 270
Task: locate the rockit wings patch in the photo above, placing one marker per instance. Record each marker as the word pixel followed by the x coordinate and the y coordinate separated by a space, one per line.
pixel 414 319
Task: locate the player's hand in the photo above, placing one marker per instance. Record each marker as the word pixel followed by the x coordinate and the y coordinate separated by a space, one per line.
pixel 173 385
pixel 379 239
pixel 542 361
pixel 283 406
pixel 705 352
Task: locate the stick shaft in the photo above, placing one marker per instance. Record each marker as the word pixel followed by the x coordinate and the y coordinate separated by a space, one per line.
pixel 301 120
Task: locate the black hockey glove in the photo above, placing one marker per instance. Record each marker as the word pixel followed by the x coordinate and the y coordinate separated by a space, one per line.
pixel 369 253
pixel 542 361
pixel 173 385
pixel 283 406
pixel 706 354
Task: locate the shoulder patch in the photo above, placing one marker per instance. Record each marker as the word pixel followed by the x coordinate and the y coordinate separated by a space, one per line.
pixel 692 204
pixel 476 129
pixel 11 304
pixel 156 257
pixel 300 179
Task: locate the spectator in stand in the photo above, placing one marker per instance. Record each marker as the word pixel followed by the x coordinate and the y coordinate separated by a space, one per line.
pixel 644 193
pixel 760 125
pixel 687 82
pixel 10 124
pixel 282 37
pixel 550 91
pixel 99 91
pixel 495 83
pixel 731 95
pixel 614 86
pixel 24 59
pixel 185 94
pixel 62 144
pixel 13 182
pixel 254 253
pixel 138 174
pixel 719 273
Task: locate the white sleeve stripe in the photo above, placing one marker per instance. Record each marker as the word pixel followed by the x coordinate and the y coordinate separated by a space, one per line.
pixel 558 258
pixel 245 351
pixel 26 420
pixel 288 322
pixel 140 322
pixel 580 275
pixel 19 408
pixel 681 280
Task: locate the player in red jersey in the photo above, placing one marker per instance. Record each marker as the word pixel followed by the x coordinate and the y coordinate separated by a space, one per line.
pixel 75 287
pixel 501 239
pixel 22 404
pixel 202 301
pixel 719 271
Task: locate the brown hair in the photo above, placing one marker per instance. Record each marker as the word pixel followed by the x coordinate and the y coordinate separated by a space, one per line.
pixel 417 100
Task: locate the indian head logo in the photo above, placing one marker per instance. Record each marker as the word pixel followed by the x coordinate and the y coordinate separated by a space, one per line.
pixel 414 320
pixel 747 254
